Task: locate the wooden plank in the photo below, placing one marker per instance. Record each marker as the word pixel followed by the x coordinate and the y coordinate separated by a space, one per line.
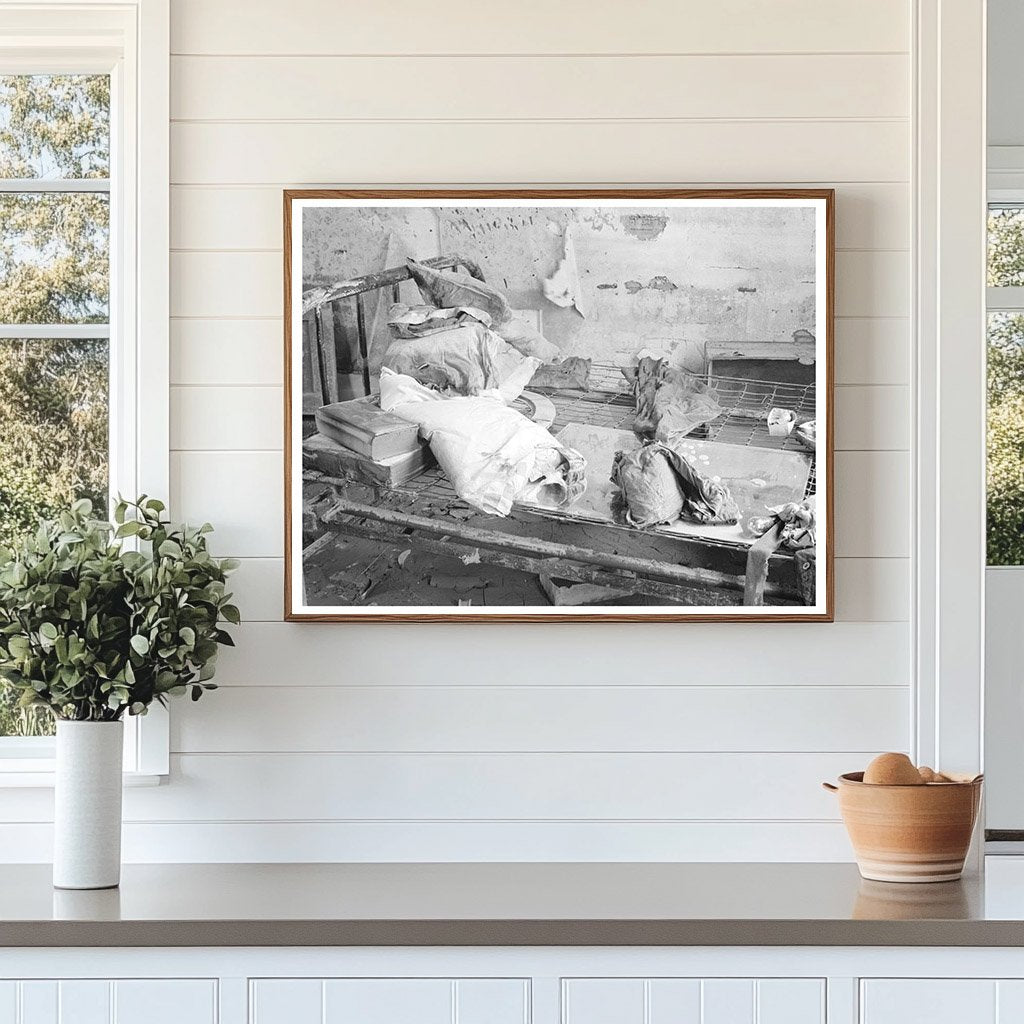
pixel 336 518
pixel 873 283
pixel 408 88
pixel 630 718
pixel 226 418
pixel 328 351
pixel 456 842
pixel 872 504
pixel 539 152
pixel 868 215
pixel 696 593
pixel 448 786
pixel 873 350
pixel 226 352
pixel 843 654
pixel 536 26
pixel 241 493
pixel 867 589
pixel 872 418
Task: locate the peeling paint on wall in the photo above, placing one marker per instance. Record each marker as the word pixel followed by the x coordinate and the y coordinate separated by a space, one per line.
pixel 643 226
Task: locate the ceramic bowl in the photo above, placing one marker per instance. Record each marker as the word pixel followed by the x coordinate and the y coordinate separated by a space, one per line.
pixel 909 833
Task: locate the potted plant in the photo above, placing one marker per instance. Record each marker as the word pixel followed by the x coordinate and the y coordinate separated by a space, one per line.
pixel 99 620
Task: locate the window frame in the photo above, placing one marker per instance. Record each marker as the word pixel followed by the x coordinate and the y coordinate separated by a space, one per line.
pixel 130 41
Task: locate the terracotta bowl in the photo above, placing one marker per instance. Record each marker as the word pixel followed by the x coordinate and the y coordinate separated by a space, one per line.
pixel 909 833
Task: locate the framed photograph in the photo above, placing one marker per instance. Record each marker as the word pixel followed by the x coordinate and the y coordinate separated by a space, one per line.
pixel 567 405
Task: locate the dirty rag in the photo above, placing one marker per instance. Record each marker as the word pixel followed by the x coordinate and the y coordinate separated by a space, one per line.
pixel 670 401
pixel 658 484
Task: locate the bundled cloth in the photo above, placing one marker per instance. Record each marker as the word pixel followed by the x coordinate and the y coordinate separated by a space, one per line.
pixel 658 484
pixel 670 401
pixel 493 455
pixel 798 521
pixel 464 360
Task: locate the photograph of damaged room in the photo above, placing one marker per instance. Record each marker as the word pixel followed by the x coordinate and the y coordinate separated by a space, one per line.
pixel 573 405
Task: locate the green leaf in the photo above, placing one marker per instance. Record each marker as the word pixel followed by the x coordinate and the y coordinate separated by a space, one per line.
pixel 231 613
pixel 49 631
pixel 140 644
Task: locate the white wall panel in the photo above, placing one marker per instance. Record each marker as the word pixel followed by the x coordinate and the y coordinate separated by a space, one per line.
pixel 844 654
pixel 541 151
pixel 247 351
pixel 872 350
pixel 551 717
pixel 505 786
pixel 690 740
pixel 872 418
pixel 868 216
pixel 538 88
pixel 536 26
pixel 217 418
pixel 872 503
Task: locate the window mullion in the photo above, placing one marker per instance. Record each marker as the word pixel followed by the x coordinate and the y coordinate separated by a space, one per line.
pixel 64 332
pixel 54 185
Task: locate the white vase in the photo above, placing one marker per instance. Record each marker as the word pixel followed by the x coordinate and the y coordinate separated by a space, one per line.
pixel 87 805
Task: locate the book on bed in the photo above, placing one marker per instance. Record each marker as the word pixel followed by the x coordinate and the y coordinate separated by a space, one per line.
pixel 360 425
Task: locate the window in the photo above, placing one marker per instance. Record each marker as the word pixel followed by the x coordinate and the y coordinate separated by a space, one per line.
pixel 1005 479
pixel 84 126
pixel 54 308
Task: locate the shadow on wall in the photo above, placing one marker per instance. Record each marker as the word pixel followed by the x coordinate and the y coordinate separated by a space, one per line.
pixel 665 279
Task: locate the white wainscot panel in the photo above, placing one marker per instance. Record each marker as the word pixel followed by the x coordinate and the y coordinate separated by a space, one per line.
pixel 411 88
pixel 388 1001
pixel 552 718
pixel 694 1001
pixel 869 215
pixel 931 1001
pixel 96 1001
pixel 227 352
pixel 416 152
pixel 538 26
pixel 872 350
pixel 842 654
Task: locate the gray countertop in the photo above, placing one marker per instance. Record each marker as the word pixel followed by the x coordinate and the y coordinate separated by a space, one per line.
pixel 503 904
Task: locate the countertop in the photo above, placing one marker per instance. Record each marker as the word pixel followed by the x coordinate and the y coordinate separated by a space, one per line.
pixel 510 904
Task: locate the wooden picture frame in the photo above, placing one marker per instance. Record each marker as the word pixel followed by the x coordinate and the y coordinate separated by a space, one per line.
pixel 701 567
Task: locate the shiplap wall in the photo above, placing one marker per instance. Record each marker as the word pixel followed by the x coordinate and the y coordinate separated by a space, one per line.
pixel 685 741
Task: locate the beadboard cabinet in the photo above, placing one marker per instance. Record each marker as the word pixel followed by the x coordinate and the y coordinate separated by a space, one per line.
pixel 105 1001
pixel 512 985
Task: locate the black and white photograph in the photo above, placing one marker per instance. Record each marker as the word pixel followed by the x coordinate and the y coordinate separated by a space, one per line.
pixel 507 406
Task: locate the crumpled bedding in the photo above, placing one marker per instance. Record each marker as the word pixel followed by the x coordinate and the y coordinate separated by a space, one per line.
pixel 406 321
pixel 658 484
pixel 444 288
pixel 670 401
pixel 464 360
pixel 493 455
